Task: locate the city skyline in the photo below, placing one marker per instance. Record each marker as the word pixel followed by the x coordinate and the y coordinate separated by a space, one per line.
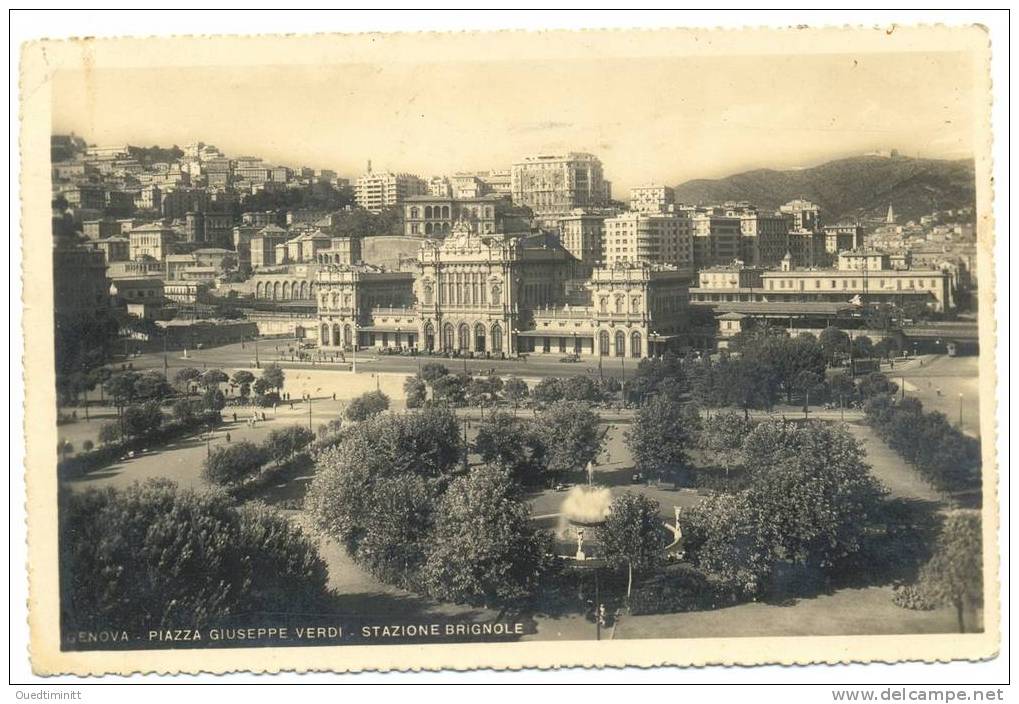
pixel 700 130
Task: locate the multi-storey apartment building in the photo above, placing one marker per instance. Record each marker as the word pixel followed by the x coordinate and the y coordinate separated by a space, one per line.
pixel 582 235
pixel 805 215
pixel 552 185
pixel 652 199
pixel 435 216
pixel 764 237
pixel 664 238
pixel 376 191
pixel 153 240
pixel 716 239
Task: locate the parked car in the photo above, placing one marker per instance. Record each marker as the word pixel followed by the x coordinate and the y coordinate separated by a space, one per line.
pixel 570 358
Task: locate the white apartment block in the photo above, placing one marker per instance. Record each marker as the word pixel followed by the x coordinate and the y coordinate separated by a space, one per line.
pixel 651 238
pixel 377 191
pixel 552 185
pixel 652 199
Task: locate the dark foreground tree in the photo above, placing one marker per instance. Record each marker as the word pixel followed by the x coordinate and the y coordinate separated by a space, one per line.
pixel 633 535
pixel 484 549
pixel 157 556
pixel 954 575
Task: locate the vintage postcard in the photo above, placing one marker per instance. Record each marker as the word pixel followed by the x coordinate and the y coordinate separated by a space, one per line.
pixel 505 350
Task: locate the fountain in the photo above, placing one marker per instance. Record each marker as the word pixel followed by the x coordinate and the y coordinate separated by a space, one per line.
pixel 584 508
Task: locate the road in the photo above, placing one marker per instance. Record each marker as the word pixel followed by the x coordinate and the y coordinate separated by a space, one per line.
pixel 950 385
pixel 242 356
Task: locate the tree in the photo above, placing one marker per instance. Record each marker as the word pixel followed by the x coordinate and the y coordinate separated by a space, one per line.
pixel 416 391
pixel 367 405
pixel 233 463
pixel 109 433
pixel 213 399
pixel 548 390
pixel 581 388
pixel 834 344
pixel 274 376
pixel 660 439
pixel 633 535
pixel 283 443
pixel 954 575
pixel 450 389
pixel 187 409
pixel 213 378
pixel 432 371
pixel 186 377
pixel 151 385
pixel 243 379
pixel 261 386
pixel 484 549
pixel 748 383
pixel 512 444
pixel 722 435
pixel 515 390
pixel 142 420
pixel 121 388
pixel 813 490
pixel 570 433
pixel 155 556
pixel 862 347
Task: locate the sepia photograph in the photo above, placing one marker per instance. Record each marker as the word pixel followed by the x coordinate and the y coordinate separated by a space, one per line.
pixel 546 349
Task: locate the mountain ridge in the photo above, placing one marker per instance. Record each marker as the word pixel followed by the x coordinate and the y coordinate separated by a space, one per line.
pixel 852 188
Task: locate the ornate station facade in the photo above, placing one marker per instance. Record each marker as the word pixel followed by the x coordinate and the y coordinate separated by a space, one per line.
pixel 502 295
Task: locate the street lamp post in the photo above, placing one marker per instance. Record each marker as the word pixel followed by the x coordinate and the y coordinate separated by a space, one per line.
pixel 258 364
pixel 309 413
pixel 960 410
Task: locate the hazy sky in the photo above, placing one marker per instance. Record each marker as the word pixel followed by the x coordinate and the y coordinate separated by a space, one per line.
pixel 663 120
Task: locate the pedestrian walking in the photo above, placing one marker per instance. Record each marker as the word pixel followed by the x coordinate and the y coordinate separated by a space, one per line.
pixel 228 437
pixel 235 417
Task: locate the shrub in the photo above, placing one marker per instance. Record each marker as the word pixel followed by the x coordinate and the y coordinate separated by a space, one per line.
pixel 213 399
pixel 283 443
pixel 267 400
pixel 367 405
pixel 677 589
pixel 233 463
pixel 432 371
pixel 87 446
pixel 158 556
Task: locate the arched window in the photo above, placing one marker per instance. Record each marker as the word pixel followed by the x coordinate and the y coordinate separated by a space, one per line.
pixel 429 337
pixel 304 290
pixel 479 338
pixel 428 211
pixel 324 337
pixel 348 336
pixel 447 337
pixel 445 211
pixel 603 343
pixel 427 291
pixel 428 228
pixel 635 344
pixel 620 343
pixel 260 290
pixel 275 290
pixel 496 337
pixel 620 303
pixel 336 336
pixel 464 337
pixel 603 304
pixel 286 289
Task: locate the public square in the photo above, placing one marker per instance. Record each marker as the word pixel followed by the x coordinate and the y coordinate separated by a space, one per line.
pixel 866 609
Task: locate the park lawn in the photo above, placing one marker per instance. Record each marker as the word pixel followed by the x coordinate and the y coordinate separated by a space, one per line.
pixel 866 611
